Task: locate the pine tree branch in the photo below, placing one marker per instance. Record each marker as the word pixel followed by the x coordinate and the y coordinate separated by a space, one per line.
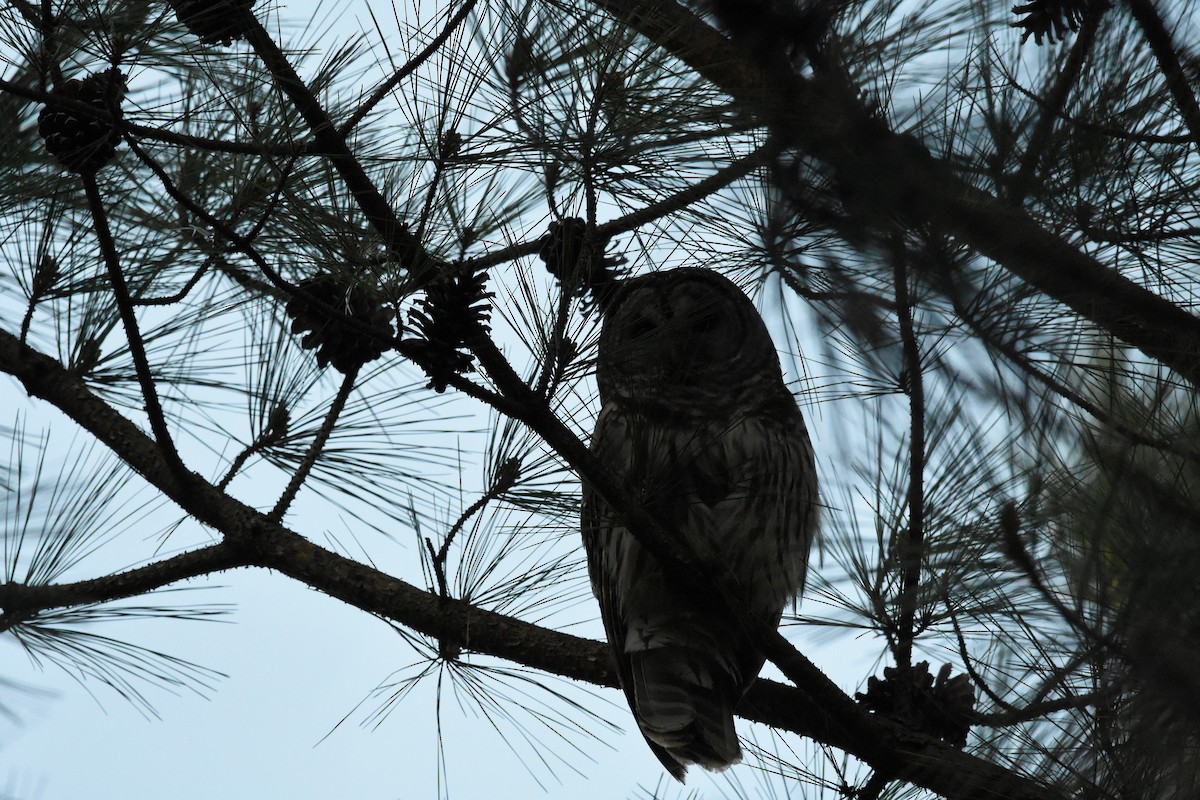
pixel 1054 103
pixel 19 600
pixel 318 444
pixel 824 117
pixel 912 547
pixel 281 289
pixel 89 111
pixel 1026 365
pixel 137 347
pixel 409 68
pixel 1035 711
pixel 1159 39
pixel 1109 131
pixel 395 234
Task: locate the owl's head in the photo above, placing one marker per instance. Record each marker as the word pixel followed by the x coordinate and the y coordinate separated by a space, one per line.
pixel 682 337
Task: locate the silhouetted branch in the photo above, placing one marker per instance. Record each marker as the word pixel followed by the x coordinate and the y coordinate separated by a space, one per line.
pixel 912 544
pixel 315 448
pixel 1054 103
pixel 409 68
pixel 20 601
pixel 137 347
pixel 395 234
pixel 1159 39
pixel 825 119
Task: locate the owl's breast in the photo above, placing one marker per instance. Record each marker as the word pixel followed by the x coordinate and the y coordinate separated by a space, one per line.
pixel 745 483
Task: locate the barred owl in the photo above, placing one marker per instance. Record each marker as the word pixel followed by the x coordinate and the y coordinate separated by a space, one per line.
pixel 698 426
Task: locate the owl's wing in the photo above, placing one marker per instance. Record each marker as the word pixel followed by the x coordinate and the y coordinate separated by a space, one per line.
pixel 609 547
pixel 682 669
pixel 615 626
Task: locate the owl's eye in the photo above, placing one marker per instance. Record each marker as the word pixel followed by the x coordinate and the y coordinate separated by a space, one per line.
pixel 639 328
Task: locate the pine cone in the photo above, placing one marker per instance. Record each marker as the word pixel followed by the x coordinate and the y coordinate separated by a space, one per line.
pixel 912 697
pixel 1052 19
pixel 80 142
pixel 579 272
pixel 213 20
pixel 453 310
pixel 338 343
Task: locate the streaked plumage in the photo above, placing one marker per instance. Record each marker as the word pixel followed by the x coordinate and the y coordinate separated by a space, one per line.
pixel 699 427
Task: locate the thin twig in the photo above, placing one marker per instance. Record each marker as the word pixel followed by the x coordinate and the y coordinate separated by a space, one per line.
pixel 1120 134
pixel 636 219
pixel 443 552
pixel 1107 236
pixel 506 475
pixel 285 172
pixel 1159 39
pixel 314 449
pixel 793 282
pixel 137 348
pixel 1019 555
pixel 1026 365
pixel 46 24
pixel 45 273
pixel 965 655
pixel 1056 99
pixel 239 461
pixel 553 361
pixel 1035 711
pixel 273 433
pixel 912 548
pixel 411 66
pixel 87 110
pixel 589 249
pixel 183 292
pixel 282 288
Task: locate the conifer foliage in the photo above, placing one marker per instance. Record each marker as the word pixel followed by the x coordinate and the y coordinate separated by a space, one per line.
pixel 972 231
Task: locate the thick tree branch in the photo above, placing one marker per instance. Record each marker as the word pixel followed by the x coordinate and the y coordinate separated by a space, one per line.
pixel 825 118
pixel 1159 39
pixel 18 599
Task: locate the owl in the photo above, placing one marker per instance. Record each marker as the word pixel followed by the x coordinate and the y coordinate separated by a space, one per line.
pixel 698 426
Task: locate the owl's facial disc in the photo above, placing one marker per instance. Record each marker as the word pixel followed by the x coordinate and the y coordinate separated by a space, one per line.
pixel 686 334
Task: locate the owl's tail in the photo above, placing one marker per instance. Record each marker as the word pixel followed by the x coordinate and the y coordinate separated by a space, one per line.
pixel 684 702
